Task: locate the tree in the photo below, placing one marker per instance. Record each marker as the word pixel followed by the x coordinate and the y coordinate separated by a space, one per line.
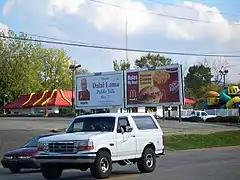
pixel 28 67
pixel 197 78
pixel 122 65
pixel 17 66
pixel 152 60
pixel 219 64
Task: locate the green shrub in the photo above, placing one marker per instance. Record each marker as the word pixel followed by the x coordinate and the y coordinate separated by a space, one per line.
pixel 193 119
pixel 227 119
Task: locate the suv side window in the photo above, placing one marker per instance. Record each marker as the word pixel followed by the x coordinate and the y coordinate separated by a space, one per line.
pixel 122 122
pixel 144 122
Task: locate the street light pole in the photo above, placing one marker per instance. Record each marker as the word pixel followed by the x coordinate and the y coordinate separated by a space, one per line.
pixel 73 68
pixel 224 73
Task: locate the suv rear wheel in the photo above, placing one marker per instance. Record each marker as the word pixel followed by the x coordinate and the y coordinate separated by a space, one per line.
pixel 102 168
pixel 147 163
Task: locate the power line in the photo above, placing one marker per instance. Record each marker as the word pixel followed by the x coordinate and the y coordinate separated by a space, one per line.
pixel 187 7
pixel 80 42
pixel 121 49
pixel 160 14
pixel 46 37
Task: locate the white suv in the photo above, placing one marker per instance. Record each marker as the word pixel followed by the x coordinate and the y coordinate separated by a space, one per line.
pixel 96 141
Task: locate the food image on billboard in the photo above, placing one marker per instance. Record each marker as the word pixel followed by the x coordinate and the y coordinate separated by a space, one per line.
pixel 99 90
pixel 161 86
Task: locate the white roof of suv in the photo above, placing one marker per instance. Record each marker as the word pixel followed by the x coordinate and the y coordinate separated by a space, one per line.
pixel 115 114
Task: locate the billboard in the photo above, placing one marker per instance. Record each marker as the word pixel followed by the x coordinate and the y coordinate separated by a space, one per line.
pixel 99 90
pixel 159 86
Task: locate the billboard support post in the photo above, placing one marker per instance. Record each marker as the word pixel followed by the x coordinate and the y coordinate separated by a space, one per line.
pixel 180 112
pixel 124 92
pixel 163 111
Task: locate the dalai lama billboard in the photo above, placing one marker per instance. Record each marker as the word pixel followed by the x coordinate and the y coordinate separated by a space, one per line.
pixel 99 90
pixel 159 86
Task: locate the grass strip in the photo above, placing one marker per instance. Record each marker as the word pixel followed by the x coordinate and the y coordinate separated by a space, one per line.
pixel 198 141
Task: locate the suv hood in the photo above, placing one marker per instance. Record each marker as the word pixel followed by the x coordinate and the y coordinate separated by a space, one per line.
pixel 71 136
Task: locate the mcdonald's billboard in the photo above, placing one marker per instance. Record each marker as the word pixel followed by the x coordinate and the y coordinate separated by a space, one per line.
pixel 159 86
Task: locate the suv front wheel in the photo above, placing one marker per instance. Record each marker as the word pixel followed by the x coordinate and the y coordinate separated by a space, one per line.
pixel 147 163
pixel 51 172
pixel 102 167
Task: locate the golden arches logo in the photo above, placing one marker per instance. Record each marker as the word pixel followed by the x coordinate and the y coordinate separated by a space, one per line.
pixel 132 93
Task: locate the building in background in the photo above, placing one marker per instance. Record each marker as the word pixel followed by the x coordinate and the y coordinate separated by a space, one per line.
pixel 36 103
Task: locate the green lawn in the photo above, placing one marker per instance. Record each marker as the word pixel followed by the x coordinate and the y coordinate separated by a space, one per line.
pixel 197 141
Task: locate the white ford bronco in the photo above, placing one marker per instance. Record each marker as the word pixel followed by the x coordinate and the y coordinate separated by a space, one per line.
pixel 96 141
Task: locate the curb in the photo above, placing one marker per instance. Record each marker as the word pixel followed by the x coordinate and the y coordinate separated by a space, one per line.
pixel 213 148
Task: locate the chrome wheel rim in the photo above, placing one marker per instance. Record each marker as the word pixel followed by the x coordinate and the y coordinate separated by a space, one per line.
pixel 149 160
pixel 104 165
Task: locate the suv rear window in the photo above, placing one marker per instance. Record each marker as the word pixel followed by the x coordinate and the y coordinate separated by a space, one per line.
pixel 144 122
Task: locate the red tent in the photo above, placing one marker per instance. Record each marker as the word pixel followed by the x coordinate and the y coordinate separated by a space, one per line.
pixel 189 101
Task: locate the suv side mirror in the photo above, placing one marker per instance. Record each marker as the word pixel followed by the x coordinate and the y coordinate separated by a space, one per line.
pixel 129 129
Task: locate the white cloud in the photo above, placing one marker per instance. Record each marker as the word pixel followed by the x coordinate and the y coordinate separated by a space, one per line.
pixel 140 19
pixel 108 18
pixel 7 8
pixel 3 28
pixel 64 6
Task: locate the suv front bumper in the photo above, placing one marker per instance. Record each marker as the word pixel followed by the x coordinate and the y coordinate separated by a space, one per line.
pixel 66 158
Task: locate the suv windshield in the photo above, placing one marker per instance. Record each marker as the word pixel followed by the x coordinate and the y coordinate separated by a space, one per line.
pixel 87 124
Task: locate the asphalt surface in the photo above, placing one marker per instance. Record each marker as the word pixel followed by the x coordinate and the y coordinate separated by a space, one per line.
pixel 181 165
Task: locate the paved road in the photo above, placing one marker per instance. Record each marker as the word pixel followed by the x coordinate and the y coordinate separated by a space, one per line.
pixel 188 165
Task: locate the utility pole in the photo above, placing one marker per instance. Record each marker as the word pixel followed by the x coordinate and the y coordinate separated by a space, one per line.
pixel 45 79
pixel 126 36
pixel 73 68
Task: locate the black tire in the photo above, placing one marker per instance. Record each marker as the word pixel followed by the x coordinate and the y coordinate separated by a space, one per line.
pixel 103 159
pixel 15 170
pixel 51 171
pixel 83 168
pixel 147 163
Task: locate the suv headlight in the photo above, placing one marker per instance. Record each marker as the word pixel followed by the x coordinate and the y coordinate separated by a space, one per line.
pixel 84 145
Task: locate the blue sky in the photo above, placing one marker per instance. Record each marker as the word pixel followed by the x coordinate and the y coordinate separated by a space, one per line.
pixel 86 21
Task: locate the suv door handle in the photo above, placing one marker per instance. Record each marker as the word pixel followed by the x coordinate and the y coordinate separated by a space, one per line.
pixel 133 135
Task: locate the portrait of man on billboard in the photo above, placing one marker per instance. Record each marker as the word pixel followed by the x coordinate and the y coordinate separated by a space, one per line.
pixel 84 94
